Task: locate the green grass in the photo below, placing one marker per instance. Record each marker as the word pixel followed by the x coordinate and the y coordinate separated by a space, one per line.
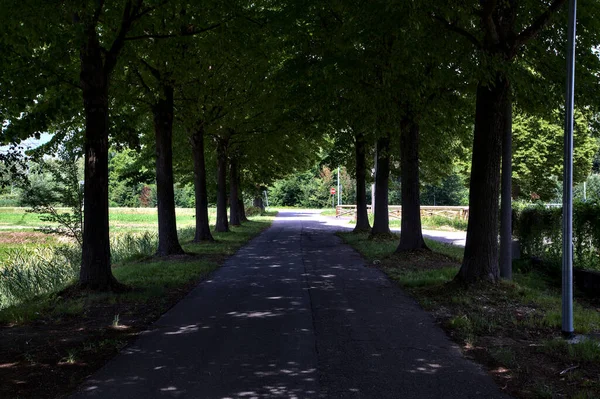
pixel 525 310
pixel 376 249
pixel 18 218
pixel 119 218
pixel 17 221
pixel 427 222
pixel 28 282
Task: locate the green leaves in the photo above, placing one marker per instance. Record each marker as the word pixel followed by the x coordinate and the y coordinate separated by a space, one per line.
pixel 538 154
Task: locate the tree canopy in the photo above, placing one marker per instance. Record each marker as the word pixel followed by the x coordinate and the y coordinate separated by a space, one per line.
pixel 267 89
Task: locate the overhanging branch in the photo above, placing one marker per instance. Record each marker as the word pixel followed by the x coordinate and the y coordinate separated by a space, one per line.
pixel 456 29
pixel 538 24
pixel 172 35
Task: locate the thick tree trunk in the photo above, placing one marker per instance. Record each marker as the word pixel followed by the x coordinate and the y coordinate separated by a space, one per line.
pixel 480 260
pixel 222 225
pixel 411 236
pixel 234 212
pixel 362 216
pixel 202 224
pixel 95 272
pixel 381 222
pixel 168 242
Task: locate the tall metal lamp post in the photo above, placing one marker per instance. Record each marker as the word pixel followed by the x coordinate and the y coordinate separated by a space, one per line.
pixel 567 256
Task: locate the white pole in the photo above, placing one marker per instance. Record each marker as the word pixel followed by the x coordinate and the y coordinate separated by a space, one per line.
pixel 567 256
pixel 338 188
pixel 341 189
pixel 584 192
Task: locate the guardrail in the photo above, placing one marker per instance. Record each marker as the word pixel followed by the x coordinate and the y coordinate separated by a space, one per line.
pixel 395 211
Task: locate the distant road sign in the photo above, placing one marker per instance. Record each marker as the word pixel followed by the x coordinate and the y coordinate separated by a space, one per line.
pixel 332 191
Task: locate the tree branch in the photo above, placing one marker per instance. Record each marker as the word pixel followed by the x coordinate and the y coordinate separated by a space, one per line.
pixel 172 35
pixel 459 30
pixel 155 72
pixel 148 10
pixel 98 11
pixel 129 12
pixel 141 78
pixel 532 30
pixel 488 20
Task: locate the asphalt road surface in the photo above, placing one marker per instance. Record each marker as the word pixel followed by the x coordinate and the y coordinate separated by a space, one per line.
pixel 294 314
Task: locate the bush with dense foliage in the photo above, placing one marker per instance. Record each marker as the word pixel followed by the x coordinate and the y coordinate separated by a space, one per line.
pixel 539 231
pixel 310 189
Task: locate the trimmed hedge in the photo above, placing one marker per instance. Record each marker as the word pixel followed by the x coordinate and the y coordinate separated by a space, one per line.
pixel 539 231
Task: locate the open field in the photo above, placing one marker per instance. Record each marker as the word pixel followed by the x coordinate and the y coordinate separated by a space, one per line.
pixel 512 328
pixel 18 227
pixel 119 218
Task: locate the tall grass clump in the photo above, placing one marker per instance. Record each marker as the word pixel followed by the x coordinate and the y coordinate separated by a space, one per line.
pixel 443 221
pixel 128 246
pixel 27 273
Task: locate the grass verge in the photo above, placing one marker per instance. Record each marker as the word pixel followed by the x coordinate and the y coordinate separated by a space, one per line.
pixel 433 222
pixel 512 328
pixel 50 343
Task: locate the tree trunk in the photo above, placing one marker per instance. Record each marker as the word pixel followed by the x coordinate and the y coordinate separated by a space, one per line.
pixel 258 203
pixel 242 210
pixel 241 207
pixel 411 236
pixel 362 216
pixel 506 200
pixel 95 272
pixel 480 260
pixel 222 225
pixel 168 242
pixel 381 223
pixel 234 212
pixel 202 225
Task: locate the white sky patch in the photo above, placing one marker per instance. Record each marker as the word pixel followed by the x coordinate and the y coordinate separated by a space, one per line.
pixel 30 143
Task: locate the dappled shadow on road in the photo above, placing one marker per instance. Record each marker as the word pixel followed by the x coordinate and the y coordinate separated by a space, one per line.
pixel 292 315
pixel 245 332
pixel 374 341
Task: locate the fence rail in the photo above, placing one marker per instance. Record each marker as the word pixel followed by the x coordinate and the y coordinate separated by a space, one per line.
pixel 395 211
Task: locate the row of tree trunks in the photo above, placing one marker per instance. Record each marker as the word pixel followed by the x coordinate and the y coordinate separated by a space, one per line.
pixel 362 216
pixel 222 224
pixel 381 222
pixel 202 226
pixel 411 235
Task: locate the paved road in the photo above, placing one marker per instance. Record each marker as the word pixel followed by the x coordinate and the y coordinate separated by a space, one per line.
pixel 295 314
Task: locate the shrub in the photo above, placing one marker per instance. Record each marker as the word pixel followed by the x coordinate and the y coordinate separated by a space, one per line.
pixel 539 231
pixel 253 211
pixel 9 200
pixel 61 187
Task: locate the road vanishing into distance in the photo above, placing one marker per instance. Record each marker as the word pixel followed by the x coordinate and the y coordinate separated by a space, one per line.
pixel 294 314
